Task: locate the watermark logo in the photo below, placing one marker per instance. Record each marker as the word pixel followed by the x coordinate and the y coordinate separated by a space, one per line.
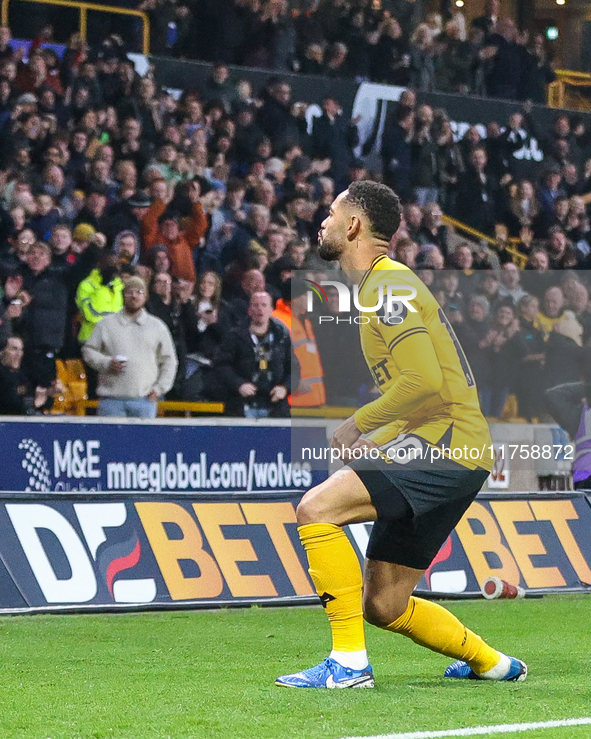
pixel 315 289
pixel 393 302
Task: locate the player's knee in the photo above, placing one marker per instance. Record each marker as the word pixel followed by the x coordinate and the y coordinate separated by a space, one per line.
pixel 310 509
pixel 382 611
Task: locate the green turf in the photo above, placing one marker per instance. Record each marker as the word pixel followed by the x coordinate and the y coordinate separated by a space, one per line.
pixel 206 675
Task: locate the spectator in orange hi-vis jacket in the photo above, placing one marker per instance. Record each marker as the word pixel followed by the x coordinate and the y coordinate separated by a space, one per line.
pixel 165 224
pixel 290 311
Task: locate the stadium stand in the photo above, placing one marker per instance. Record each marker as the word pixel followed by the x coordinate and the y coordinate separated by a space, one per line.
pixel 215 192
pixel 395 41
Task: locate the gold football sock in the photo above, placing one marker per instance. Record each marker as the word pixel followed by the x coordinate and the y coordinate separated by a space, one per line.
pixel 434 627
pixel 335 571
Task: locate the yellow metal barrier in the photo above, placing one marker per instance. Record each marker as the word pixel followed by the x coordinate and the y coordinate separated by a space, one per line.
pixel 518 258
pixel 84 7
pixel 165 407
pixel 563 92
pixel 324 411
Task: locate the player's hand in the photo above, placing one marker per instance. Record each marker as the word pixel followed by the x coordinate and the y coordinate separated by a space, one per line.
pixel 346 434
pixel 364 444
pixel 359 444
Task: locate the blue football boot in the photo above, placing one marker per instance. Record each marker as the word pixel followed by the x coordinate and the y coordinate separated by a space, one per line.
pixel 460 669
pixel 328 674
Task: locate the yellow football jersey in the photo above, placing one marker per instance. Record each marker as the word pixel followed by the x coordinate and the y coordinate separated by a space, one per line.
pixel 426 384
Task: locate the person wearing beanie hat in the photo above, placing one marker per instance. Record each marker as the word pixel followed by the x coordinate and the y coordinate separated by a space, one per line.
pixel 275 167
pixel 564 354
pixel 83 233
pixel 26 99
pixel 570 327
pixel 139 200
pixel 136 283
pixel 134 355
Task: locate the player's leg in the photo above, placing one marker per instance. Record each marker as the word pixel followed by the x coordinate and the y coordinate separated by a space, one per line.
pixel 336 573
pixel 389 604
pixel 398 554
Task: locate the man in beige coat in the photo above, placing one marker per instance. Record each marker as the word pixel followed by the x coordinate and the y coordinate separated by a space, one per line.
pixel 134 354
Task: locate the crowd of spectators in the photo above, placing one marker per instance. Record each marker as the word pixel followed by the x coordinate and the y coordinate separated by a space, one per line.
pixel 214 201
pixel 393 41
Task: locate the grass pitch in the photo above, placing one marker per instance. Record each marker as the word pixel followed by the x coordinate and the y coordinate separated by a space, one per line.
pixel 208 675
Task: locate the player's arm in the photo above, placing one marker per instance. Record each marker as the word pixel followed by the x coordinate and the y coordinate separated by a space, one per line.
pixel 420 377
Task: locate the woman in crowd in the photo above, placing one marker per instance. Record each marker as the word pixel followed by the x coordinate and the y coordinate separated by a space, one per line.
pixel 208 295
pixel 208 305
pixel 205 338
pixel 174 308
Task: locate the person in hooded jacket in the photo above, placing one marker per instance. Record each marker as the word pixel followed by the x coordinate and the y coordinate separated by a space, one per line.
pixel 126 248
pixel 99 295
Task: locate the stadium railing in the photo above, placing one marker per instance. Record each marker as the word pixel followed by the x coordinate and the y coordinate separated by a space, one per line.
pixel 84 7
pixel 167 408
pixel 324 411
pixel 510 246
pixel 567 91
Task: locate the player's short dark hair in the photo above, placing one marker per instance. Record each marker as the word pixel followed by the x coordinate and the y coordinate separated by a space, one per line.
pixel 379 203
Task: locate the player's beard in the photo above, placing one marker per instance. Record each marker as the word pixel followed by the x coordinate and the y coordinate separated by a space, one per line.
pixel 328 250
